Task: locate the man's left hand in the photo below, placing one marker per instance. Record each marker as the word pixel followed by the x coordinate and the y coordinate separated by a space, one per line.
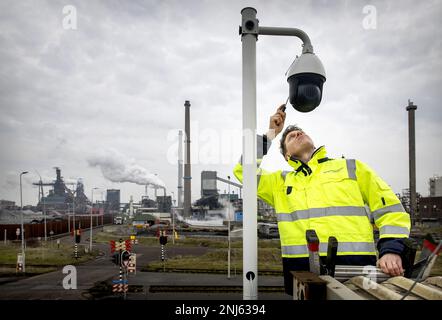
pixel 391 264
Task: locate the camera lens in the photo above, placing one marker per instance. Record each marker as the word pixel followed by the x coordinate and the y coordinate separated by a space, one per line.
pixel 308 97
pixel 305 91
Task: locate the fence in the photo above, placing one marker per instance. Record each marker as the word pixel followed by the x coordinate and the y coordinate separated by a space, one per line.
pixel 35 230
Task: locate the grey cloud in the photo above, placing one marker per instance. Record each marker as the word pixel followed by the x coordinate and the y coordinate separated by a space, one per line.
pixel 120 80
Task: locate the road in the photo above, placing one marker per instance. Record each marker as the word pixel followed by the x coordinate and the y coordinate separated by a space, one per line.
pixel 49 286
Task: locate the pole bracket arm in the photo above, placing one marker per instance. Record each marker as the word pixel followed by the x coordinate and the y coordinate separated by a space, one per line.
pixel 294 32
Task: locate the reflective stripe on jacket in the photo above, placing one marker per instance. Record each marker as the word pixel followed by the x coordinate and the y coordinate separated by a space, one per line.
pixel 330 196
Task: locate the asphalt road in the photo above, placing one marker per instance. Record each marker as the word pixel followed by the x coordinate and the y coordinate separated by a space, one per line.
pixel 49 286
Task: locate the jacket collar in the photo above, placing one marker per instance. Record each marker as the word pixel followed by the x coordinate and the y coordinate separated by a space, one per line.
pixel 318 156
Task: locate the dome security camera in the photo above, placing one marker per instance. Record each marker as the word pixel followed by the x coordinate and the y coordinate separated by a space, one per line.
pixel 306 77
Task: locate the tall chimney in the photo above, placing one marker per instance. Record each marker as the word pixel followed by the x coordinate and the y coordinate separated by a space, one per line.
pixel 412 158
pixel 180 169
pixel 187 174
pixel 131 207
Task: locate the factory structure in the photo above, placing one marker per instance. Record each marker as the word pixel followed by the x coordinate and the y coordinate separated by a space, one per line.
pixel 211 201
pixel 60 198
pixel 66 199
pixel 430 208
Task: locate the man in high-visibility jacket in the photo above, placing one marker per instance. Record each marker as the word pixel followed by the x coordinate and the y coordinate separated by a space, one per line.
pixel 330 196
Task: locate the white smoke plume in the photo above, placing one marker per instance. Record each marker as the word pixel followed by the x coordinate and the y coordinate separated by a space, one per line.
pixel 116 167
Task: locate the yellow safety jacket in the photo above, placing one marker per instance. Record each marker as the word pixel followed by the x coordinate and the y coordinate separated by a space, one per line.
pixel 330 196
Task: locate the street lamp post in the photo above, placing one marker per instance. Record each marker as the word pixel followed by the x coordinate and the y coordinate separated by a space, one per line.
pixel 228 233
pixel 44 208
pixel 173 219
pixel 92 205
pixel 44 214
pixel 307 65
pixel 73 213
pixel 22 229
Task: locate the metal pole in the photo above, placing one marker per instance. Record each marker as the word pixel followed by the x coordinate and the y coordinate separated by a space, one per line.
pixel 228 233
pixel 294 32
pixel 180 169
pixel 5 237
pixel 92 205
pixel 125 285
pixel 44 213
pixel 250 238
pixel 69 221
pixel 187 169
pixel 412 159
pixel 73 212
pixel 22 229
pixel 173 220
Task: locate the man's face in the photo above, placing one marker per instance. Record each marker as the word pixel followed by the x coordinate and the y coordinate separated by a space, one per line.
pixel 297 142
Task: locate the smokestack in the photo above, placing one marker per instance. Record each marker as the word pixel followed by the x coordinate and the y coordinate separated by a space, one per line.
pixel 187 174
pixel 131 207
pixel 412 158
pixel 180 169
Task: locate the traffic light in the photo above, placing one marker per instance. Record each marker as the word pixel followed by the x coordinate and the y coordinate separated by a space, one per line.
pixel 116 258
pixel 77 236
pixel 125 256
pixel 163 240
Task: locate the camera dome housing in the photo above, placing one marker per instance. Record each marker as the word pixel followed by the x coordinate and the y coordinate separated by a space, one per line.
pixel 306 77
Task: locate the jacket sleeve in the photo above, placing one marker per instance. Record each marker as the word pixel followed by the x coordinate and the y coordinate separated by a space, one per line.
pixel 265 179
pixel 388 213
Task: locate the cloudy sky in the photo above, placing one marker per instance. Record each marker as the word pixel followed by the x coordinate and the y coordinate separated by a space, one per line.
pixel 115 86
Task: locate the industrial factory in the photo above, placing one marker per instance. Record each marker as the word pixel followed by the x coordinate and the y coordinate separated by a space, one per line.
pixel 66 200
pixel 67 203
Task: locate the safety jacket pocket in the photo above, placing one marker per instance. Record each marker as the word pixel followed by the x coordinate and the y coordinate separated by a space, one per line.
pixel 339 191
pixel 287 197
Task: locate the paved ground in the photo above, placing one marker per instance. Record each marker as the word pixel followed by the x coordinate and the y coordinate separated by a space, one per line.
pixel 49 286
pixel 148 279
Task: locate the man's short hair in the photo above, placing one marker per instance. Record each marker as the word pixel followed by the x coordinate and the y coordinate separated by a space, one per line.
pixel 284 135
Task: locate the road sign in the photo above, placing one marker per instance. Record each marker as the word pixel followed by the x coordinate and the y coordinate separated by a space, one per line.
pixel 132 266
pixel 125 258
pixel 127 245
pixel 20 262
pixel 119 281
pixel 120 287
